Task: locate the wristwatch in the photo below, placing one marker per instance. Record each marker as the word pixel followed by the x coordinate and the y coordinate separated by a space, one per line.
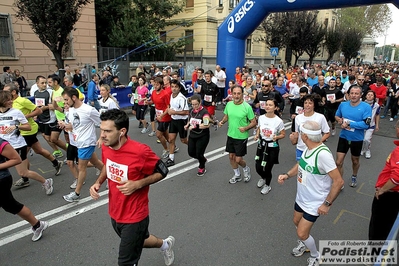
pixel 327 203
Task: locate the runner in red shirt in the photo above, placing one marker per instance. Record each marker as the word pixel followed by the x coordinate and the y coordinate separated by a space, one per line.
pixel 161 99
pixel 131 167
pixel 380 90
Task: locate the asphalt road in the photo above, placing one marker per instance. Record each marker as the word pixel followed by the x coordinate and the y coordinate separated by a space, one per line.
pixel 215 223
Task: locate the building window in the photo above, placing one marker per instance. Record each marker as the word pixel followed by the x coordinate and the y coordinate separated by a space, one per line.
pixel 67 50
pixel 248 46
pixel 6 37
pixel 189 40
pixel 233 3
pixel 189 3
pixel 220 3
pixel 162 36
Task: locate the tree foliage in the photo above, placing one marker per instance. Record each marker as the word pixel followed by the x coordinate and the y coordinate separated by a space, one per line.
pixel 315 40
pixel 301 25
pixel 132 23
pixel 275 29
pixel 351 43
pixel 299 31
pixel 371 20
pixel 52 21
pixel 332 42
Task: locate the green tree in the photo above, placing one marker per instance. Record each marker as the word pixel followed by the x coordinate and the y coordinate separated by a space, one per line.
pixel 275 29
pixel 315 40
pixel 332 42
pixel 297 31
pixel 371 20
pixel 351 42
pixel 134 22
pixel 107 13
pixel 52 21
pixel 301 26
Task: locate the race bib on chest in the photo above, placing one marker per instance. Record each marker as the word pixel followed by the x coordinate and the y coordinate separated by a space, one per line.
pixel 347 121
pixel 330 97
pixel 194 122
pixel 262 104
pixel 3 128
pixel 116 172
pixel 40 101
pixel 208 98
pixel 158 112
pixel 267 133
pixel 299 110
pixel 301 177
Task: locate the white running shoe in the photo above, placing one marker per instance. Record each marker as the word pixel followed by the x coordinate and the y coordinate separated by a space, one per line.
pixel 37 234
pixel 168 254
pixel 299 249
pixel 368 154
pixel 71 197
pixel 165 154
pixel 48 186
pixel 235 179
pixel 266 189
pixel 247 174
pixel 261 183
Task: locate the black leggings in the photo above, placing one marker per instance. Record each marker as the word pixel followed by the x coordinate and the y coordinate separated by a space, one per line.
pixel 197 147
pixel 7 201
pixel 265 170
pixel 383 215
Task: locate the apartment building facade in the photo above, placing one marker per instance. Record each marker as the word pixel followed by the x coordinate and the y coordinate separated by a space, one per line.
pixel 20 48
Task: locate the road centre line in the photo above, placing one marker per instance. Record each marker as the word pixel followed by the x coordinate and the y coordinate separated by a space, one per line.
pixel 25 232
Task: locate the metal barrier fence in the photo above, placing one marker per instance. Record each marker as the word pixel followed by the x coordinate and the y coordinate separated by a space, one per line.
pixel 121 94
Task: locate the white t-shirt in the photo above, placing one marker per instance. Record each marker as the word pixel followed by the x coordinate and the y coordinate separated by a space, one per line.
pixel 346 86
pixel 301 119
pixel 179 103
pixel 107 105
pixel 11 118
pixel 270 127
pixel 84 121
pixel 294 90
pixel 71 140
pixel 33 89
pixel 313 182
pixel 220 75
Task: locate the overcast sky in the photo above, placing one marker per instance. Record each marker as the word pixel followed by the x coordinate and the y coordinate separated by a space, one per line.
pixel 392 36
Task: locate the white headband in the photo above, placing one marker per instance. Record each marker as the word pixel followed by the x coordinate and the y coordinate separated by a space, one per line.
pixel 310 132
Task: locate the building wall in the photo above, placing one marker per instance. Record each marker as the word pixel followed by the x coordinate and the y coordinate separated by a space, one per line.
pixel 33 58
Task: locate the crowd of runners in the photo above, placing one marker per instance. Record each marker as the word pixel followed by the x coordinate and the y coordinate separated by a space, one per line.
pixel 316 99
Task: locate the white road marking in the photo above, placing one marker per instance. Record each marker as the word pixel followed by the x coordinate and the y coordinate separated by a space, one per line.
pixel 99 203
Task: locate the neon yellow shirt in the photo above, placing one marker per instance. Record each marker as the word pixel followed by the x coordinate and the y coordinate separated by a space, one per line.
pixel 57 94
pixel 26 107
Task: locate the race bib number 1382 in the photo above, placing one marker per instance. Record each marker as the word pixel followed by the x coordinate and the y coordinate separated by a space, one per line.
pixel 116 172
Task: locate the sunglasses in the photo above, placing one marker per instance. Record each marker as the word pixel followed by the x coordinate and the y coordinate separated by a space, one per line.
pixel 263 85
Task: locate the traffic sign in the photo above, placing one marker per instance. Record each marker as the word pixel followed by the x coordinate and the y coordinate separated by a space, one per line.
pixel 274 51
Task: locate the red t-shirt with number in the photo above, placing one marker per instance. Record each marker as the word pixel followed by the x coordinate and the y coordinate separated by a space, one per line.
pixel 133 161
pixel 161 101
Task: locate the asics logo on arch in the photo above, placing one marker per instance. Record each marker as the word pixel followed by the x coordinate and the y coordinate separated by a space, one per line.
pixel 239 15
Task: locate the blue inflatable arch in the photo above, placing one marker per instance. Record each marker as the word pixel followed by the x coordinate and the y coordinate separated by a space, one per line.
pixel 248 15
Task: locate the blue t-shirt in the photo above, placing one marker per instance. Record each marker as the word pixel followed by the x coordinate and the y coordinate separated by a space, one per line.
pixel 312 81
pixel 282 90
pixel 357 116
